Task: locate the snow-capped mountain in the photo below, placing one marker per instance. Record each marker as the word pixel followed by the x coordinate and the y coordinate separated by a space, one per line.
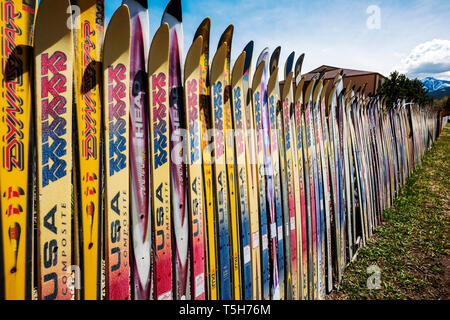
pixel 433 84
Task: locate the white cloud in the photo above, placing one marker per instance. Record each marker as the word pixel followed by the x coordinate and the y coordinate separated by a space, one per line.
pixel 431 58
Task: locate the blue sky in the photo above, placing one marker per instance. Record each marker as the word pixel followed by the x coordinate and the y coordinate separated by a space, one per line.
pixel 409 36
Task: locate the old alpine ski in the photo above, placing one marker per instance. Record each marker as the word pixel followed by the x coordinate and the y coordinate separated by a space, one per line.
pixel 194 158
pixel 53 57
pixel 88 147
pixel 239 119
pixel 158 81
pixel 116 71
pixel 220 170
pixel 205 118
pixel 16 131
pixel 140 199
pixel 173 17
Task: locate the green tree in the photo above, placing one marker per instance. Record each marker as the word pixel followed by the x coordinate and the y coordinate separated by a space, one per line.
pixel 399 86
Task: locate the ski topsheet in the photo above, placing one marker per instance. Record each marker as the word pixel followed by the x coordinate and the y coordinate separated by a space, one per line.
pixel 288 144
pixel 273 94
pixel 139 150
pixel 287 292
pixel 194 158
pixel 272 271
pixel 53 56
pixel 261 178
pixel 252 175
pixel 158 74
pixel 296 176
pixel 301 223
pixel 277 226
pixel 205 118
pixel 88 154
pixel 227 37
pixel 16 170
pixel 116 70
pixel 239 118
pixel 311 203
pixel 220 172
pixel 173 17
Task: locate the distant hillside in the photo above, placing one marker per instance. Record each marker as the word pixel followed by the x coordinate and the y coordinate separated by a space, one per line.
pixel 433 84
pixel 439 94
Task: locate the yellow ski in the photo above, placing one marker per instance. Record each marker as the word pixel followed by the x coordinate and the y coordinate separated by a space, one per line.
pixel 53 55
pixel 194 165
pixel 205 118
pixel 218 120
pixel 88 182
pixel 230 161
pixel 16 170
pixel 158 74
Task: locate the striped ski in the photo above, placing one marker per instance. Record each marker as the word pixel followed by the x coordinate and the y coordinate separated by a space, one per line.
pixel 17 136
pixel 273 94
pixel 53 57
pixel 220 172
pixel 194 158
pixel 261 178
pixel 301 224
pixel 285 197
pixel 116 68
pixel 239 119
pixel 312 235
pixel 139 150
pixel 288 145
pixel 272 274
pixel 173 17
pixel 158 81
pixel 296 178
pixel 88 147
pixel 205 118
pixel 252 175
pixel 227 37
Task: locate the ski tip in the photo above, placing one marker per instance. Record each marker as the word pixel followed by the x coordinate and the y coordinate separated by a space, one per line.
pixel 193 57
pixel 331 93
pixel 51 15
pixel 272 80
pixel 218 63
pixel 248 55
pixel 258 76
pixel 309 89
pixel 117 35
pixel 274 59
pixel 287 84
pixel 337 78
pixel 203 29
pixel 324 90
pixel 299 90
pixel 363 91
pixel 174 9
pixel 322 73
pixel 264 55
pixel 227 36
pixel 159 49
pixel 298 65
pixel 238 69
pixel 289 63
pixel 249 47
